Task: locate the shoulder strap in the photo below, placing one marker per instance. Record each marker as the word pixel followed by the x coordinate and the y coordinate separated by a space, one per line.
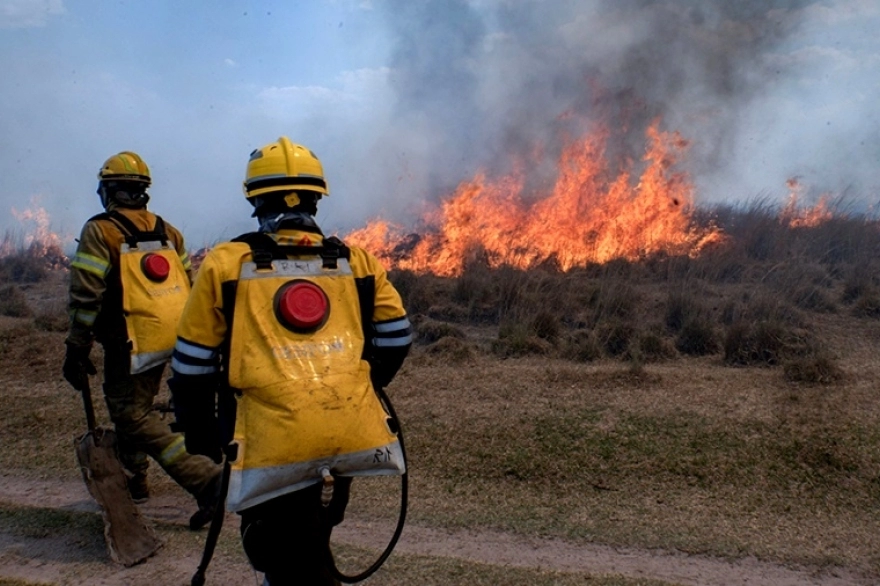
pixel 101 216
pixel 132 233
pixel 265 249
pixel 159 228
pixel 366 292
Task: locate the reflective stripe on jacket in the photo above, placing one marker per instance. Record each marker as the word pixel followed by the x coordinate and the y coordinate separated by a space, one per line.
pixel 306 396
pixel 95 302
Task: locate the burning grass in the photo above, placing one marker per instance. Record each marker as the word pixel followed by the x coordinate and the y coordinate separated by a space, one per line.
pixel 592 213
pixel 750 301
pixel 29 258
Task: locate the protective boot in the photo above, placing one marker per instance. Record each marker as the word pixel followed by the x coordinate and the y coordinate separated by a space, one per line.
pixel 208 500
pixel 138 487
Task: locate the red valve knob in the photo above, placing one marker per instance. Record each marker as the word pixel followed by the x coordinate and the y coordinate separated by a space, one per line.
pixel 155 267
pixel 302 305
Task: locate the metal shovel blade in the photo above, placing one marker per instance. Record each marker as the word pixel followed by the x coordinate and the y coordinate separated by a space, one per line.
pixel 129 539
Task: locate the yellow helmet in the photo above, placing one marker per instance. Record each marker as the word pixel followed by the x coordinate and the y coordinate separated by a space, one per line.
pixel 283 166
pixel 125 166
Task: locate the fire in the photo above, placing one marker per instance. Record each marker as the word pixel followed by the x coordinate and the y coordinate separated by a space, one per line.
pixel 591 214
pixel 39 241
pixel 804 218
pixel 197 257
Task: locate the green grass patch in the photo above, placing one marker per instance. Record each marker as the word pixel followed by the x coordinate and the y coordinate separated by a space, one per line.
pixel 402 570
pixel 570 448
pixel 674 481
pixel 39 436
pixel 38 523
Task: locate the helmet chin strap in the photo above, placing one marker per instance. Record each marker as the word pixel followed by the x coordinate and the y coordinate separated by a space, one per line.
pixel 105 197
pixel 272 222
pixel 122 197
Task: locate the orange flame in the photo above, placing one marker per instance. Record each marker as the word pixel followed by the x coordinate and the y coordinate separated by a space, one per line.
pixel 590 215
pixel 804 218
pixel 39 240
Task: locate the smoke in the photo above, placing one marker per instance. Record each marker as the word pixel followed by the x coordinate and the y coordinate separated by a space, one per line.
pixel 476 82
pixel 402 101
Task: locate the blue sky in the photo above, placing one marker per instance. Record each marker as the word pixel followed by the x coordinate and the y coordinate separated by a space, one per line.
pixel 402 100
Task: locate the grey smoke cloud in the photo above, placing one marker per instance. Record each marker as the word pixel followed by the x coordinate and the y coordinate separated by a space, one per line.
pixel 480 81
pixel 404 101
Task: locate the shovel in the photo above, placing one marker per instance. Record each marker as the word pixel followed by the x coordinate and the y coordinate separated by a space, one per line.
pixel 129 539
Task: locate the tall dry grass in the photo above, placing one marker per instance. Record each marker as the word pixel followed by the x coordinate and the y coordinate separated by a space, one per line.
pixel 750 300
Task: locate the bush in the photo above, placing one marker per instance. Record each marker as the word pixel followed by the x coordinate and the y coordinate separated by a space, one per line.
pixel 546 326
pixel 452 350
pixel 813 298
pixel 474 285
pixel 817 368
pixel 615 337
pixel 731 312
pixel 867 306
pixel 616 300
pixel 517 339
pixel 11 338
pixel 680 306
pixel 697 337
pixel 448 313
pixel 52 321
pixel 13 302
pixel 766 306
pixel 581 346
pixel 857 285
pixel 22 267
pixel 429 331
pixel 404 281
pixel 510 283
pixel 760 343
pixel 419 292
pixel 652 347
pixel 721 266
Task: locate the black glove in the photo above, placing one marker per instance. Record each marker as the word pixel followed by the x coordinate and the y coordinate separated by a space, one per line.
pixel 77 366
pixel 203 438
pixel 384 364
pixel 193 399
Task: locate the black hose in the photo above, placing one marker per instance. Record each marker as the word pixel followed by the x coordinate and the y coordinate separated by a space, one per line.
pixel 198 578
pixel 404 493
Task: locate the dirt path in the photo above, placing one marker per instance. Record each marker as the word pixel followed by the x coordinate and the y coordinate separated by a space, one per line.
pixel 54 558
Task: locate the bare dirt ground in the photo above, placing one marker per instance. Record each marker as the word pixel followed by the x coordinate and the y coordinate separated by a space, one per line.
pixel 62 558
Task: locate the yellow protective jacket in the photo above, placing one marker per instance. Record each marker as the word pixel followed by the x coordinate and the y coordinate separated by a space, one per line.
pixel 305 394
pixel 97 304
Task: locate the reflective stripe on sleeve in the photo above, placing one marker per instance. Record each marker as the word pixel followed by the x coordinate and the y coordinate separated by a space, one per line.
pixel 392 326
pixel 187 262
pixel 193 359
pixel 391 342
pixel 173 452
pixel 84 316
pixel 195 350
pixel 190 369
pixel 91 264
pixel 396 332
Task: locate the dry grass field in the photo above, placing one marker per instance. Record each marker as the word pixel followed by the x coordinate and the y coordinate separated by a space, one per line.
pixel 709 420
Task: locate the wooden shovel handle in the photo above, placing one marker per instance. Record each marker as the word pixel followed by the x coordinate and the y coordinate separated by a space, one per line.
pixel 90 410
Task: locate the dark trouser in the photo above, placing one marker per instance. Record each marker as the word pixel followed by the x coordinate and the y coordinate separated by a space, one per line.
pixel 141 430
pixel 288 537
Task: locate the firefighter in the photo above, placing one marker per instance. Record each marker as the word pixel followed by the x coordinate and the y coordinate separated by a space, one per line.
pixel 129 281
pixel 300 329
